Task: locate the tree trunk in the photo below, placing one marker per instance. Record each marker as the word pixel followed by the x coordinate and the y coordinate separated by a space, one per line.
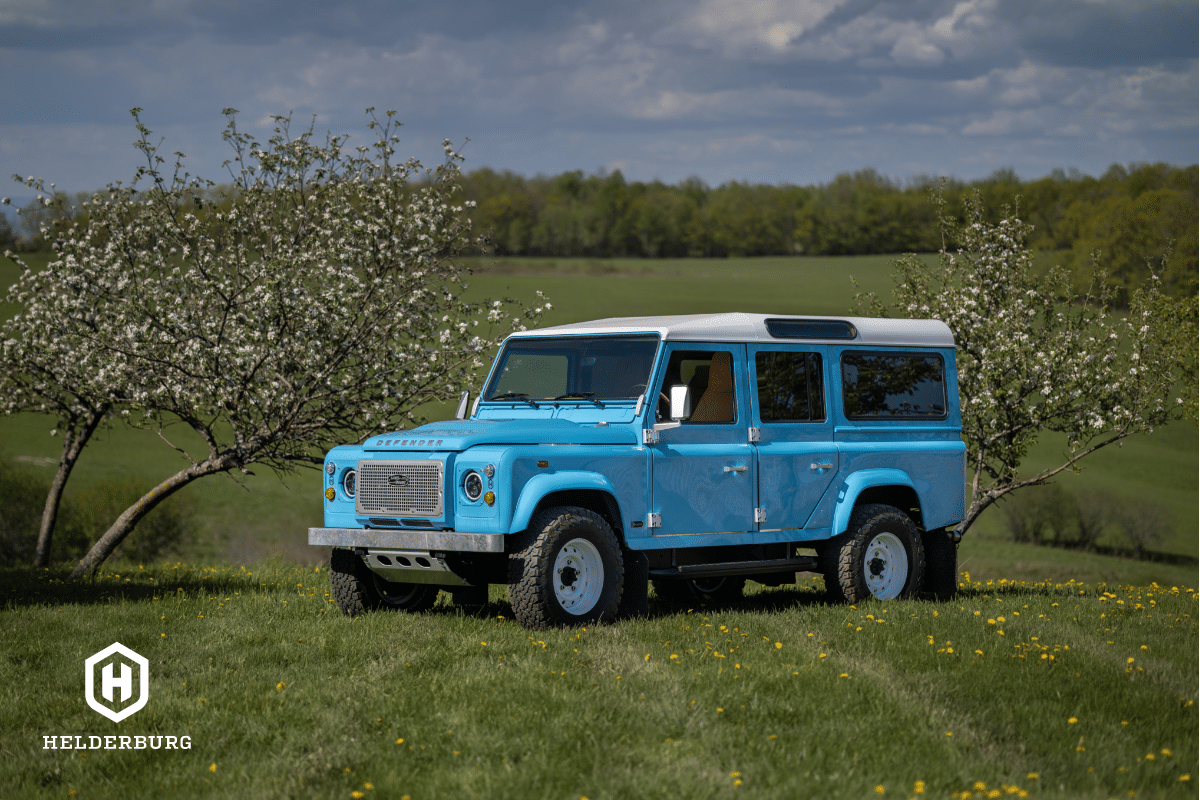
pixel 75 438
pixel 130 517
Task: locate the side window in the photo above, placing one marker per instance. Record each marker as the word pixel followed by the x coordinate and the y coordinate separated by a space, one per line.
pixel 790 387
pixel 709 377
pixel 893 385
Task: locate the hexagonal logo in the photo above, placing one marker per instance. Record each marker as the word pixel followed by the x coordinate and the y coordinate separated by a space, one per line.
pixel 116 664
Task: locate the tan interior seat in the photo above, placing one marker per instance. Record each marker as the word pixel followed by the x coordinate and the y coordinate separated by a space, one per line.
pixel 717 403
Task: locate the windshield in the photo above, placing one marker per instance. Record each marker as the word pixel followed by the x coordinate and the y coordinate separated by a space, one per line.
pixel 586 368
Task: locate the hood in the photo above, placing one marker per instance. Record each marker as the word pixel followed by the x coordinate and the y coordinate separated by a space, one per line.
pixel 461 434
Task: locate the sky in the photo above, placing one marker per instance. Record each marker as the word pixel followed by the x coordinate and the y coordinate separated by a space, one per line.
pixel 765 91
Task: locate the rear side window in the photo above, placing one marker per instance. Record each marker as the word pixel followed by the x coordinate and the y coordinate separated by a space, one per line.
pixel 790 388
pixel 893 385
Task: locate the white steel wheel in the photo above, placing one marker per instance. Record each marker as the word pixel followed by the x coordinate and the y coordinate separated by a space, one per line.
pixel 879 556
pixel 578 576
pixel 885 566
pixel 565 570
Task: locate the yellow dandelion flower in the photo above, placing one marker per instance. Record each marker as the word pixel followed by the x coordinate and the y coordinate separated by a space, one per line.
pixel 368 786
pixel 919 787
pixel 399 741
pixel 879 789
pixel 734 774
pixel 1072 720
pixel 979 786
pixel 357 794
pixel 1185 777
pixel 1166 752
pixel 212 767
pixel 279 687
pixel 779 645
pixel 737 782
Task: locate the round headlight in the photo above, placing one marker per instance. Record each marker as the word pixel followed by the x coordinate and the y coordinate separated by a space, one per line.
pixel 472 485
pixel 489 470
pixel 330 468
pixel 349 483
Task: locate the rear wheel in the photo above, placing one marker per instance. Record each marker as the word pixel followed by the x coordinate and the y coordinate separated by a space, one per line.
pixel 721 590
pixel 566 570
pixel 357 590
pixel 880 555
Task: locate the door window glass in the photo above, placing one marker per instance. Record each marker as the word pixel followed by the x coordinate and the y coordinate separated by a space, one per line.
pixel 709 378
pixel 790 387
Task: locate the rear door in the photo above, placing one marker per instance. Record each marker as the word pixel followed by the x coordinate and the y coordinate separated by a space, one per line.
pixel 797 458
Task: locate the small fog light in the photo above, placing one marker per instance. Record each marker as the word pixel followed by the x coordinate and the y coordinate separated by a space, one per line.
pixel 489 497
pixel 489 470
pixel 330 493
pixel 330 468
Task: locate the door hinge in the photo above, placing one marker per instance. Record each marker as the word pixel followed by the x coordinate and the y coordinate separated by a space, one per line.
pixel 755 434
pixel 650 436
pixel 654 520
pixel 760 515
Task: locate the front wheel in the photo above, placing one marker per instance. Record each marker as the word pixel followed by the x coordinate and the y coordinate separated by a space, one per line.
pixel 880 555
pixel 566 569
pixel 357 590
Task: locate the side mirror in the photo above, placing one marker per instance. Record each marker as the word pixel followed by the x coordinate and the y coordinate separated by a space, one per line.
pixel 681 402
pixel 461 412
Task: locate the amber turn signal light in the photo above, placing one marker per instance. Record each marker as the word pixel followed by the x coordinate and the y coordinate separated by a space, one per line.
pixel 330 493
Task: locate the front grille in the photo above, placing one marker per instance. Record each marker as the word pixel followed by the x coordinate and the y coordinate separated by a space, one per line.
pixel 412 488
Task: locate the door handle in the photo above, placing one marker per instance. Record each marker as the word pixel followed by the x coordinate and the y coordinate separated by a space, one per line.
pixel 736 469
pixel 825 465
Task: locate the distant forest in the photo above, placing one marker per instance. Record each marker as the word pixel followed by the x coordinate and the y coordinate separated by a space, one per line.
pixel 1130 214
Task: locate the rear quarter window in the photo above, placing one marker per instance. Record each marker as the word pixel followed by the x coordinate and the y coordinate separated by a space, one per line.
pixel 893 385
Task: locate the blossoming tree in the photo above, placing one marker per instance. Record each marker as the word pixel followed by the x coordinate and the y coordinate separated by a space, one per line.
pixel 1034 355
pixel 315 300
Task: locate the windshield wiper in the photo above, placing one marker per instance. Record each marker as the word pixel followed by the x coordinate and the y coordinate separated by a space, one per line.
pixel 581 396
pixel 522 396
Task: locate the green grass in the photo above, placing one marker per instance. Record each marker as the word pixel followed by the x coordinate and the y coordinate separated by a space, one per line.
pixel 1044 689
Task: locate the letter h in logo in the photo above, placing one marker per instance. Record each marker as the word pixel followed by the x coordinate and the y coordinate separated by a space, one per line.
pixel 117 675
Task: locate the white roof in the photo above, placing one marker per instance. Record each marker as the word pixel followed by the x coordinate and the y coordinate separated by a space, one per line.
pixel 739 327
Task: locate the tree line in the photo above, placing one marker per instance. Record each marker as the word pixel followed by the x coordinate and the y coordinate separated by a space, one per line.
pixel 1132 215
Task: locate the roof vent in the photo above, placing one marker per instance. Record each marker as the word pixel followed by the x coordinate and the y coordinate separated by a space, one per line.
pixel 810 329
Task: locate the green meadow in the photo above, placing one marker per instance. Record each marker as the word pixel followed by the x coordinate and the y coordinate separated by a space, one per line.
pixel 1026 689
pixel 1054 674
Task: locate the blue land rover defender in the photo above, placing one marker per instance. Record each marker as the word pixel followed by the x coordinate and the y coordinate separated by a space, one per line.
pixel 692 451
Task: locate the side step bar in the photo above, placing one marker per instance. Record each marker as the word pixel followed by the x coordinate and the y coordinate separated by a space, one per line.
pixel 802 564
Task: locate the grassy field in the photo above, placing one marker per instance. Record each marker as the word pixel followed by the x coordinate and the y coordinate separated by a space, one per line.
pixel 1033 690
pixel 1054 674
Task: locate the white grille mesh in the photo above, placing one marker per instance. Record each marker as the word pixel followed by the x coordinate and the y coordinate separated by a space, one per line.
pixel 411 488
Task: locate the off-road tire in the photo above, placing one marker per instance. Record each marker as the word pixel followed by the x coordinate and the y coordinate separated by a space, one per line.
pixel 885 535
pixel 580 542
pixel 716 591
pixel 357 590
pixel 941 566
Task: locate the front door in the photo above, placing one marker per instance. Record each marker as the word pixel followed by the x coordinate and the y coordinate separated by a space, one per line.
pixel 704 467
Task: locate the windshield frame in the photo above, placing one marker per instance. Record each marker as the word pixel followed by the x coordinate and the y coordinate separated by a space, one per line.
pixel 574 347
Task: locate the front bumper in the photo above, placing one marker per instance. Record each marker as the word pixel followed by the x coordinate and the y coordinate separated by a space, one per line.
pixel 433 541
